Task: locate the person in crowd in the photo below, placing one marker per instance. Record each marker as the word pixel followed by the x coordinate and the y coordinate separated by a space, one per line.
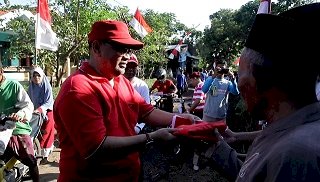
pixel 182 84
pixel 97 109
pixel 165 88
pixel 20 145
pixel 196 108
pixel 162 84
pixel 138 84
pixel 198 98
pixel 277 47
pixel 217 90
pixel 40 93
pixel 203 74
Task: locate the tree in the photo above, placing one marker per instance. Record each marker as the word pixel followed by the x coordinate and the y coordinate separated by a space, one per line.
pixel 229 29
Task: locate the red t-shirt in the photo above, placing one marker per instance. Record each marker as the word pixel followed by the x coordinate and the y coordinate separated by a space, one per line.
pixel 163 86
pixel 86 111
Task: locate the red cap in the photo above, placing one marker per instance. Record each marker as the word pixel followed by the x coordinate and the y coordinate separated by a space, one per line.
pixel 133 59
pixel 195 75
pixel 113 30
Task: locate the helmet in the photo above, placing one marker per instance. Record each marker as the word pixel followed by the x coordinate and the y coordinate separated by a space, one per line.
pixel 160 72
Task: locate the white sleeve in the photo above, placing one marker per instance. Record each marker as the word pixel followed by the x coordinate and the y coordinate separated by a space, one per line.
pixel 145 92
pixel 26 111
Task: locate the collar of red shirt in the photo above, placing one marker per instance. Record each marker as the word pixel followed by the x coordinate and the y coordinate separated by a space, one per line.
pixel 87 69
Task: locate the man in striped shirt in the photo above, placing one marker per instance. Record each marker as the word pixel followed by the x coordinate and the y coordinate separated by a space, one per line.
pixel 199 97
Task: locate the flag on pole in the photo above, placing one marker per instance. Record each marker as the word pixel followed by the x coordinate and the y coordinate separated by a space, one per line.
pixel 264 7
pixel 139 24
pixel 45 37
pixel 175 51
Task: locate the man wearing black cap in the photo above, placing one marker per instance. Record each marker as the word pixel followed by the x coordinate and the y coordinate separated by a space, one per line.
pixel 97 109
pixel 288 148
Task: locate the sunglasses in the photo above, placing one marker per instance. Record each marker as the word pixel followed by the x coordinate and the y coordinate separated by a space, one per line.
pixel 118 48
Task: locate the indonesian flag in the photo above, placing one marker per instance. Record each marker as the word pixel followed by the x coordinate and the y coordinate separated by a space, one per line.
pixel 140 25
pixel 45 37
pixel 178 47
pixel 264 7
pixel 176 50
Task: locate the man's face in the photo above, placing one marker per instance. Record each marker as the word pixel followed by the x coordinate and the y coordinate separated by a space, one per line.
pixel 218 68
pixel 161 79
pixel 131 70
pixel 248 89
pixel 111 60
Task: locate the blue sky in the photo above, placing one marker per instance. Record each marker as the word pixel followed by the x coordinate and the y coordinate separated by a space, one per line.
pixel 191 13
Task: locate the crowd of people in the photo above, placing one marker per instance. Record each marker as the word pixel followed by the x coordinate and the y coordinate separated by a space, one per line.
pixel 101 108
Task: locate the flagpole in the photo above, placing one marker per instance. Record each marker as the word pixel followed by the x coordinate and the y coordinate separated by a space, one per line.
pixel 36 36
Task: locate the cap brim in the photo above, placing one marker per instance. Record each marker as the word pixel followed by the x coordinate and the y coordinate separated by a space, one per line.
pixel 129 43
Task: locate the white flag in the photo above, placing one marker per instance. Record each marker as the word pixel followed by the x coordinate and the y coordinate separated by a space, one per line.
pixel 264 7
pixel 45 37
pixel 140 25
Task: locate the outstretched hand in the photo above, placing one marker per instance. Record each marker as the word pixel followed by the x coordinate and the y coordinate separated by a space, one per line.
pixel 191 117
pixel 229 136
pixel 163 134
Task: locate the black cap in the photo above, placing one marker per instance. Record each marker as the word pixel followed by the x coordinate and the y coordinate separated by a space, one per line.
pixel 287 37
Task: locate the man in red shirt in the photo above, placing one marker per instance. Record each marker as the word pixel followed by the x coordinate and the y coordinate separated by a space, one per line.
pixel 97 108
pixel 162 84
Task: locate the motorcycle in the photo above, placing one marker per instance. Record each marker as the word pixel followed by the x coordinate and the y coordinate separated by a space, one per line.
pixel 11 169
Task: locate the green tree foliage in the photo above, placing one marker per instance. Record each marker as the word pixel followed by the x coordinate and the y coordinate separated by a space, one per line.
pixel 229 29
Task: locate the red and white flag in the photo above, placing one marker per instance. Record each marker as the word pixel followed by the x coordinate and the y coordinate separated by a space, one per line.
pixel 264 7
pixel 175 51
pixel 140 25
pixel 45 37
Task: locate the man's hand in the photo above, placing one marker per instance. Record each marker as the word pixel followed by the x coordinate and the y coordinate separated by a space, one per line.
pixel 230 75
pixel 163 134
pixel 229 136
pixel 191 117
pixel 15 117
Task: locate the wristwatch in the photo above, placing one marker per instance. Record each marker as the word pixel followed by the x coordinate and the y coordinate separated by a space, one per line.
pixel 149 139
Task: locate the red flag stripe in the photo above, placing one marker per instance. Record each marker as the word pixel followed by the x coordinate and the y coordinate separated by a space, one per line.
pixel 43 10
pixel 141 20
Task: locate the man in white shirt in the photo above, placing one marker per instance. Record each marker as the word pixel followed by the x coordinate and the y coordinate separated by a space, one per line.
pixel 140 85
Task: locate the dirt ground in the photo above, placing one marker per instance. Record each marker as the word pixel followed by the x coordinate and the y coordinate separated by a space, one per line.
pixel 50 172
pixel 177 172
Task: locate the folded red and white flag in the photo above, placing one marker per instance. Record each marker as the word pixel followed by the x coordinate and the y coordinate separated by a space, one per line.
pixel 264 7
pixel 201 130
pixel 140 25
pixel 45 37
